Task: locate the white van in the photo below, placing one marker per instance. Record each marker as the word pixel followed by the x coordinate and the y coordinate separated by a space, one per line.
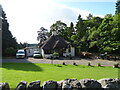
pixel 20 54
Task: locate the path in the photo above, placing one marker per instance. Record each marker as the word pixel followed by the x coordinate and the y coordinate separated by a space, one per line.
pixel 78 62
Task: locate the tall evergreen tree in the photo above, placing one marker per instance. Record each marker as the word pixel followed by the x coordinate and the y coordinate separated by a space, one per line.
pixel 70 31
pixel 118 7
pixel 81 34
pixel 90 16
pixel 8 41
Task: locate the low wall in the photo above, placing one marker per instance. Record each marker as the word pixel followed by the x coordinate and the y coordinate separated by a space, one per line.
pixel 67 84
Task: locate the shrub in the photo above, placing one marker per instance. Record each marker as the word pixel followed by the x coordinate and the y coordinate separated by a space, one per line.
pixel 55 55
pixel 10 51
pixel 99 64
pixel 89 64
pixel 63 63
pixel 116 65
pixel 74 63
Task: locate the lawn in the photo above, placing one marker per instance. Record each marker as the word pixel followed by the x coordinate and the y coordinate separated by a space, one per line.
pixel 13 73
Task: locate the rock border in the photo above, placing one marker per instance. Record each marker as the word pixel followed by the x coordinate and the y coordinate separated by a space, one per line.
pixel 67 84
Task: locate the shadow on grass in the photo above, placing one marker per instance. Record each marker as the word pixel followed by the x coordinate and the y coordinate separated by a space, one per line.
pixel 24 66
pixel 119 72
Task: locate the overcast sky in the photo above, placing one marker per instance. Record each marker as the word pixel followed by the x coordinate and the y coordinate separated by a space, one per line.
pixel 27 16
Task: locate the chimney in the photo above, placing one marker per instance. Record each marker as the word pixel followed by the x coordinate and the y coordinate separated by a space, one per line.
pixel 54 32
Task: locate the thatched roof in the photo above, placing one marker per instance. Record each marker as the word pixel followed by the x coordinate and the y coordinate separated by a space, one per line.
pixel 55 42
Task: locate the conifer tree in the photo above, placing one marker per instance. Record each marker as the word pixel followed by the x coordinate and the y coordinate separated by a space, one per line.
pixel 118 7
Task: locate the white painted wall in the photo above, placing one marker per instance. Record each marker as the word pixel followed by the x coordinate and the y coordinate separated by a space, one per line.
pixel 72 52
pixel 45 55
pixel 42 52
pixel 29 52
pixel 67 53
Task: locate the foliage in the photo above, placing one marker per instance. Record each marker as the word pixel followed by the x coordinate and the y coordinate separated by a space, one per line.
pixel 8 40
pixel 117 7
pixel 116 65
pixel 55 54
pixel 89 16
pixel 22 45
pixel 58 27
pixel 63 63
pixel 42 35
pixel 99 64
pixel 89 64
pixel 10 51
pixel 94 34
pixel 74 63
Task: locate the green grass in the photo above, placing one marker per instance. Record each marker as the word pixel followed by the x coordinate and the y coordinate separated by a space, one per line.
pixel 13 73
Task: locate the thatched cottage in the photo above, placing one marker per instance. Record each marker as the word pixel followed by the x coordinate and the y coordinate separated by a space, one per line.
pixel 55 43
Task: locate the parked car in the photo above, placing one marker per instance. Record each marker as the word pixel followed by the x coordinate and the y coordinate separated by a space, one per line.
pixel 20 54
pixel 37 54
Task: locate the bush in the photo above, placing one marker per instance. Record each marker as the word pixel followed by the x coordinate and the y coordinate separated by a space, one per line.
pixel 74 63
pixel 99 64
pixel 116 65
pixel 89 64
pixel 10 51
pixel 55 55
pixel 63 63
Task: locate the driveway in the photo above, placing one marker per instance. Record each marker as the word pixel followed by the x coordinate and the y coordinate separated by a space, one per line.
pixel 49 61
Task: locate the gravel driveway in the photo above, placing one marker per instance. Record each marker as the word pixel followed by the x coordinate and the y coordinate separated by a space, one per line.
pixel 78 61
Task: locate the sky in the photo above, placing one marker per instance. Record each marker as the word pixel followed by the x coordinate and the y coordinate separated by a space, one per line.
pixel 25 17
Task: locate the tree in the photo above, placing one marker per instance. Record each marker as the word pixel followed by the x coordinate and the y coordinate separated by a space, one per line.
pixel 42 35
pixel 80 28
pixel 22 45
pixel 10 51
pixel 115 34
pixel 93 37
pixel 8 41
pixel 81 34
pixel 92 34
pixel 70 31
pixel 90 16
pixel 60 28
pixel 117 7
pixel 105 34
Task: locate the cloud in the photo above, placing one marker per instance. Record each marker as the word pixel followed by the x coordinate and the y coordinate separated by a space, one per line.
pixel 87 0
pixel 27 16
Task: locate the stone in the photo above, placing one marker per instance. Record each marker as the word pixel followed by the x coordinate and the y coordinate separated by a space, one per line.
pixel 1 86
pixel 71 84
pixel 4 86
pixel 50 85
pixel 34 85
pixel 21 86
pixel 90 83
pixel 60 84
pixel 110 83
